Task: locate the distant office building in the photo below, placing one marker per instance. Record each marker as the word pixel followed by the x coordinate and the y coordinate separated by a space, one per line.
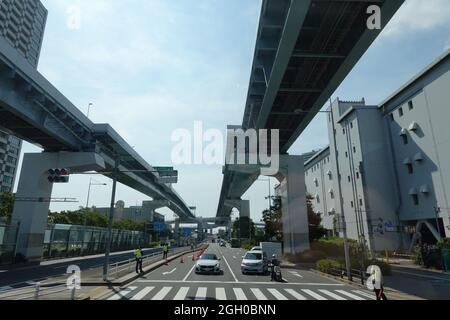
pixel 135 213
pixel 9 157
pixel 309 155
pixel 394 165
pixel 22 24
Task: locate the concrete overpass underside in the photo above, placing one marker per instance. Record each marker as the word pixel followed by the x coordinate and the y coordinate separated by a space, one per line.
pixel 304 50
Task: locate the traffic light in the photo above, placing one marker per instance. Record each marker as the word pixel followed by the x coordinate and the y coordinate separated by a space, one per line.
pixel 58 175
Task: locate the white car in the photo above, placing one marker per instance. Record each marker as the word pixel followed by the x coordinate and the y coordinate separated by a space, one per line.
pixel 208 263
pixel 254 262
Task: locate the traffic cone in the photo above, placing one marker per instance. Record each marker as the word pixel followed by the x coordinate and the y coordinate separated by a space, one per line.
pixel 182 259
pixel 193 257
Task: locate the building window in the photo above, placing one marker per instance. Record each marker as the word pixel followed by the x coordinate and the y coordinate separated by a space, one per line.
pixel 351 125
pixel 410 105
pixel 360 202
pixel 405 139
pixel 354 149
pixel 415 199
pixel 352 204
pixel 349 179
pixel 343 130
pixel 357 175
pixel 392 117
pixel 346 154
pixel 410 168
pixel 400 112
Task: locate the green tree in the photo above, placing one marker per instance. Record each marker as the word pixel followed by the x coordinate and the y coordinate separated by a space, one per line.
pixel 6 205
pixel 316 230
pixel 273 221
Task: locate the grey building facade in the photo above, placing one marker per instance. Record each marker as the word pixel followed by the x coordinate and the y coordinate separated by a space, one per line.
pixel 387 168
pixel 22 24
pixel 9 158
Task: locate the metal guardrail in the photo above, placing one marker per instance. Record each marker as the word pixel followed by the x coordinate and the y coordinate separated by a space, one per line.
pixel 354 273
pixel 36 291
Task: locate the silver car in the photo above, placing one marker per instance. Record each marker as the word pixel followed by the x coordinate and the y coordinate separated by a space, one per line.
pixel 254 262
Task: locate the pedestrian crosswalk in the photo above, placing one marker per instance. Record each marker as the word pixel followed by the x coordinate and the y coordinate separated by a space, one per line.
pixel 240 294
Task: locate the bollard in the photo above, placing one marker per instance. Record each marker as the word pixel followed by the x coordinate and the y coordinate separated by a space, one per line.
pixel 36 291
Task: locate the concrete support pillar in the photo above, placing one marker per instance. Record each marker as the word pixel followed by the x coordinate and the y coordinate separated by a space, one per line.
pixel 177 231
pixel 244 215
pixel 34 184
pixel 293 201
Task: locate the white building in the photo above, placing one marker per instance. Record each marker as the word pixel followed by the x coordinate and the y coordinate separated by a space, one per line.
pixel 394 164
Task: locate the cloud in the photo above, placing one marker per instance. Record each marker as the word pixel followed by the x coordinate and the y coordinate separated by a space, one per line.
pixel 418 16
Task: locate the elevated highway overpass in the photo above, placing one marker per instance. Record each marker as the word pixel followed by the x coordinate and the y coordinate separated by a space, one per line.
pixel 304 50
pixel 32 109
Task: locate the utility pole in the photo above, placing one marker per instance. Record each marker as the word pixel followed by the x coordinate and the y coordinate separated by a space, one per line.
pixel 110 222
pixel 341 200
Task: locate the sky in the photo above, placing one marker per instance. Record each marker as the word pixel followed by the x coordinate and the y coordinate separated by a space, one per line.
pixel 151 67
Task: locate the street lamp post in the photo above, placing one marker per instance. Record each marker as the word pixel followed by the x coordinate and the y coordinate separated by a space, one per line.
pixel 88 196
pixel 110 222
pixel 89 109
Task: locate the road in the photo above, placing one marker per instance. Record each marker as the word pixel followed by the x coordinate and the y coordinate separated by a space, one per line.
pixel 178 281
pixel 49 270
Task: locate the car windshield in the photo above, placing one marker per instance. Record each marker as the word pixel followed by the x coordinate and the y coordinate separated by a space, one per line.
pixel 208 257
pixel 253 256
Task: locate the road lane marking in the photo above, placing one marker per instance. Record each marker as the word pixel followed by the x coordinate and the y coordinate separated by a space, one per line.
pixel 162 293
pixel 348 294
pixel 188 274
pixel 421 276
pixel 220 294
pixel 182 293
pixel 364 294
pixel 234 257
pixel 245 282
pixel 166 273
pixel 295 273
pixel 333 295
pixel 122 293
pixel 277 294
pixel 295 294
pixel 141 294
pixel 313 294
pixel 201 294
pixel 258 294
pixel 228 265
pixel 239 293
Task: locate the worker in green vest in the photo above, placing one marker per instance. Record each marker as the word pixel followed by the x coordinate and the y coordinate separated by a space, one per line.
pixel 165 251
pixel 138 254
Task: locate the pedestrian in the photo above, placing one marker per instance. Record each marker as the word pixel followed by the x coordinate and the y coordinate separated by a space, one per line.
pixel 274 263
pixel 165 251
pixel 378 287
pixel 138 254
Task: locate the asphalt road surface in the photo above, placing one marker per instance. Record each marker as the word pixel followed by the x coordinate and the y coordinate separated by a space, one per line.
pixel 178 281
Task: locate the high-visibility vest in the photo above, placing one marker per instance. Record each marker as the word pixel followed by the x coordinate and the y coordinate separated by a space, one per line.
pixel 138 254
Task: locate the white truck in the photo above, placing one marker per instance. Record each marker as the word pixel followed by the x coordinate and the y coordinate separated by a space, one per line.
pixel 271 248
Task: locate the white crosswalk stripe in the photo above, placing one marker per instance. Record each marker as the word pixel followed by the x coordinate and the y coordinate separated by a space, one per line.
pixel 220 294
pixel 295 294
pixel 240 295
pixel 258 294
pixel 181 294
pixel 162 293
pixel 364 294
pixel 331 294
pixel 348 294
pixel 141 294
pixel 277 294
pixel 122 294
pixel 313 294
pixel 201 294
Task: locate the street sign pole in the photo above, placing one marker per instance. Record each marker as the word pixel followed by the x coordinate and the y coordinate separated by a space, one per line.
pixel 110 222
